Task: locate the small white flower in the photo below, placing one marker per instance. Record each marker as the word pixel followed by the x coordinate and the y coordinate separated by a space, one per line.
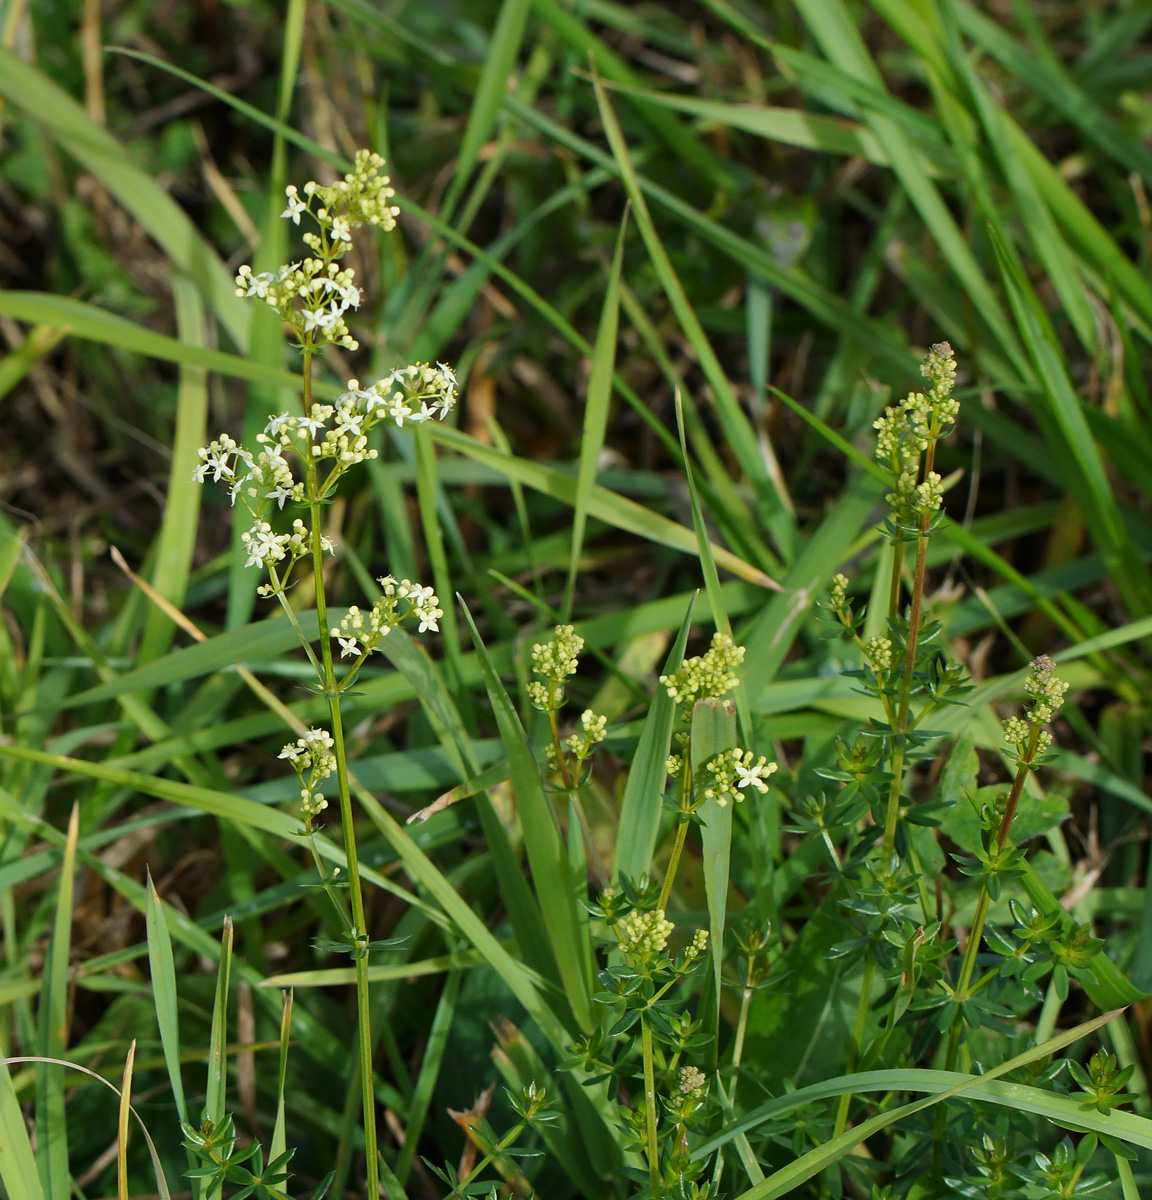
pixel 348 646
pixel 750 772
pixel 295 205
pixel 319 318
pixel 340 230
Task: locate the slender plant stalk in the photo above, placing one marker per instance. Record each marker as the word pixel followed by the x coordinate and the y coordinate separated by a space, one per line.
pixel 347 821
pixel 968 965
pixel 650 1108
pixel 574 795
pixel 681 831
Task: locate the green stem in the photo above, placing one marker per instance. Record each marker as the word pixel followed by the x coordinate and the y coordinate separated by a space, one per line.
pixel 976 933
pixel 738 1042
pixel 574 795
pixel 650 1109
pixel 347 821
pixel 857 1040
pixel 681 829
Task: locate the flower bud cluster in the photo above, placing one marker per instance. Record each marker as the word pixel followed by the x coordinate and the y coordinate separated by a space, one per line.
pixel 644 933
pixel 359 633
pixel 311 296
pixel 733 772
pixel 595 730
pixel 554 662
pixel 312 759
pixel 906 430
pixel 692 1082
pixel 1046 689
pixel 708 676
pixel 878 652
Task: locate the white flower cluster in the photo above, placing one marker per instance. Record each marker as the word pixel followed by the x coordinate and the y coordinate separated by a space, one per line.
pixel 595 730
pixel 360 633
pixel 314 295
pixel 333 433
pixel 554 662
pixel 708 676
pixel 312 759
pixel 733 772
pixel 415 393
pixel 363 195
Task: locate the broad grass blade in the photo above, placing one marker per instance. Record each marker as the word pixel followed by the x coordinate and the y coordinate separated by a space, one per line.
pixel 17 1162
pixel 644 791
pixel 164 992
pixel 807 1165
pixel 547 854
pixel 713 733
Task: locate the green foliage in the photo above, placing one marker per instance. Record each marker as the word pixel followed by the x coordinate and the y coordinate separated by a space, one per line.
pixel 684 263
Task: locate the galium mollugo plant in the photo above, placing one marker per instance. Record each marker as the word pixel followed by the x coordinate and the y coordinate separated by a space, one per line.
pixel 663 1094
pixel 297 466
pixel 934 995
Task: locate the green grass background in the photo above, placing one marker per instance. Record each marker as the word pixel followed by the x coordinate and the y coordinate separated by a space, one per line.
pixel 816 191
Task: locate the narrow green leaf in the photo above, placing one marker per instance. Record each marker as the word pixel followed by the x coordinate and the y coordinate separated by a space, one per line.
pixel 499 61
pixel 1051 1106
pixel 52 1032
pixel 547 855
pixel 279 1142
pixel 644 790
pixel 595 415
pixel 164 995
pixel 176 542
pixel 18 1171
pixel 713 733
pixel 214 1099
pixel 617 511
pixel 741 436
pixel 807 1165
pixel 95 149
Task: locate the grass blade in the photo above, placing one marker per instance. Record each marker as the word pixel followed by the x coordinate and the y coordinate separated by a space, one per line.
pixel 100 153
pixel 176 541
pixel 214 1106
pixel 122 1124
pixel 18 1171
pixel 644 791
pixel 741 437
pixel 164 995
pixel 713 733
pixel 547 854
pixel 595 415
pixel 807 1165
pixel 52 1033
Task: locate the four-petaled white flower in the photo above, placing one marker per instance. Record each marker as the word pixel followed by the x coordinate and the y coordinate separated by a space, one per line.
pixel 341 231
pixel 216 463
pixel 348 647
pixel 295 206
pixel 750 772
